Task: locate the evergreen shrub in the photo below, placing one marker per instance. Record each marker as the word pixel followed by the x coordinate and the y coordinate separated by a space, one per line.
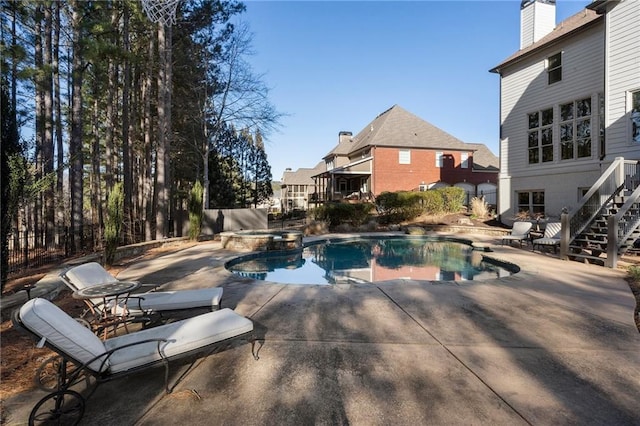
pixel 335 214
pixel 195 210
pixel 113 223
pixel 453 197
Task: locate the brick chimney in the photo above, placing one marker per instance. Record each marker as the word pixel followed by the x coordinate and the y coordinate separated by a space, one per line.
pixel 344 136
pixel 537 19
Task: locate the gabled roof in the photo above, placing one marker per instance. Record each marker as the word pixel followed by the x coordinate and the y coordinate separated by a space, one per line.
pixel 484 159
pixel 343 147
pixel 397 127
pixel 578 22
pixel 302 176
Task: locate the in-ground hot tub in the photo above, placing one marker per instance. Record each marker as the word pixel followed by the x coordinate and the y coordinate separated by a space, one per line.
pixel 261 240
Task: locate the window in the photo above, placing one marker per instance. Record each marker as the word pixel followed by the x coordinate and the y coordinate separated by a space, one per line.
pixel 329 164
pixel 404 156
pixel 554 68
pixel 540 136
pixel 531 202
pixel 575 129
pixel 464 160
pixel 635 116
pixel 439 159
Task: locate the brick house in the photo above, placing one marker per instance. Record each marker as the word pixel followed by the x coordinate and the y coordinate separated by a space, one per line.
pixel 400 151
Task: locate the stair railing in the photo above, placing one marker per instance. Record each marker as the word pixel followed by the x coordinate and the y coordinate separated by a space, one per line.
pixel 619 230
pixel 590 206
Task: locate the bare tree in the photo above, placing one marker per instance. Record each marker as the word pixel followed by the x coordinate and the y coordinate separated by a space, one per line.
pixel 239 97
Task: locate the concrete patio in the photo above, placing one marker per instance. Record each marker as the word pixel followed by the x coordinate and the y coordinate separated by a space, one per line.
pixel 554 344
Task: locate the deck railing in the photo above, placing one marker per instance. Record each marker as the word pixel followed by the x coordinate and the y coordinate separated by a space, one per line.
pixel 620 226
pixel 609 185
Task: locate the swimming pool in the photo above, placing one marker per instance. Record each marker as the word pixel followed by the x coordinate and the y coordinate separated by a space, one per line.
pixel 373 259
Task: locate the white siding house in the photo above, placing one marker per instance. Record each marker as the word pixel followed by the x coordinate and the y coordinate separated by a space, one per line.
pixel 569 105
pixel 622 77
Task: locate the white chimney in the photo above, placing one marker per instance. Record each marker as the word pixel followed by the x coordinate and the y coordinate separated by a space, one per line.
pixel 537 19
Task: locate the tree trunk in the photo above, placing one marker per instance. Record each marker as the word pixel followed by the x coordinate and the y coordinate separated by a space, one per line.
pixel 95 177
pixel 58 122
pixel 163 130
pixel 110 164
pixel 126 152
pixel 148 192
pixel 47 141
pixel 168 190
pixel 39 113
pixel 75 141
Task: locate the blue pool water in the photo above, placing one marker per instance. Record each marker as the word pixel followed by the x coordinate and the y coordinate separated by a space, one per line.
pixel 372 260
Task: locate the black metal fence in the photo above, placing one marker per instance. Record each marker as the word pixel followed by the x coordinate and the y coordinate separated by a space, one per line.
pixel 32 249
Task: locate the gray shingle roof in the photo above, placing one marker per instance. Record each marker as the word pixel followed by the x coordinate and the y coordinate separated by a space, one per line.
pixel 577 22
pixel 343 148
pixel 484 159
pixel 302 176
pixel 398 127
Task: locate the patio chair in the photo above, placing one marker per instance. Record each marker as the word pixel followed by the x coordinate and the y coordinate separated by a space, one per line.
pixel 141 304
pixel 551 237
pixel 117 356
pixel 519 232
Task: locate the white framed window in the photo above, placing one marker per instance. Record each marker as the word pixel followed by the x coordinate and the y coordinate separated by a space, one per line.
pixel 575 129
pixel 634 98
pixel 540 136
pixel 329 164
pixel 404 156
pixel 464 160
pixel 439 159
pixel 554 68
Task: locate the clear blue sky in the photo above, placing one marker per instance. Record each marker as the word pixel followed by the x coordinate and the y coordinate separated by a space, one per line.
pixel 336 65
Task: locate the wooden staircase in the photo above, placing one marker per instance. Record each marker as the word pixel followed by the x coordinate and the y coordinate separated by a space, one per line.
pixel 606 222
pixel 590 246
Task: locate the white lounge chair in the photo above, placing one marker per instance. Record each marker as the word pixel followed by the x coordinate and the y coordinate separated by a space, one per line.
pixel 118 356
pixel 519 232
pixel 551 236
pixel 92 273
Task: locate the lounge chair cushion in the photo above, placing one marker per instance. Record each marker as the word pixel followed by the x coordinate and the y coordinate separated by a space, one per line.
pixel 46 319
pixel 174 300
pixel 551 235
pixel 183 336
pixel 77 342
pixel 88 274
pixel 92 273
pixel 547 241
pixel 519 232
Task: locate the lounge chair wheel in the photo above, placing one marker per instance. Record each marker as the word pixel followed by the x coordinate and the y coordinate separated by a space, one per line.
pixel 49 371
pixel 58 408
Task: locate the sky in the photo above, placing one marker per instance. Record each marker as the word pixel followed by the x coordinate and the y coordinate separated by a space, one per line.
pixel 334 66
